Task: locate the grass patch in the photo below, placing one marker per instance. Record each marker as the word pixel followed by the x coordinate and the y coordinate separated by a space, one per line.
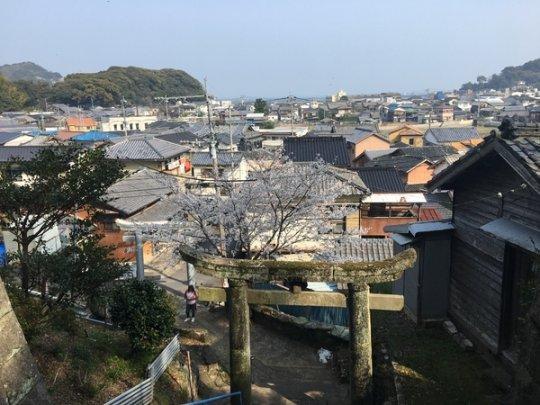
pixel 91 364
pixel 435 370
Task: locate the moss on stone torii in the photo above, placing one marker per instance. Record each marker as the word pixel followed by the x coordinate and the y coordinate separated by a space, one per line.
pixel 266 270
pixel 357 275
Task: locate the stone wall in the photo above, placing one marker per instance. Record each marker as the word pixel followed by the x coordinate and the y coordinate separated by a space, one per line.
pixel 20 380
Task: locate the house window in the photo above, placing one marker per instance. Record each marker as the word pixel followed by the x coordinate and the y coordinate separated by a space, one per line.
pixel 130 126
pixel 137 126
pixel 115 127
pixel 411 141
pixel 122 127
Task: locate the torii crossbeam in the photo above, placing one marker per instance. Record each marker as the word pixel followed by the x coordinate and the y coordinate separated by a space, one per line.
pixel 357 275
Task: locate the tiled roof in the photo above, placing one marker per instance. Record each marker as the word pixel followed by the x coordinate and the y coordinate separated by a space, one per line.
pixel 528 150
pixel 331 149
pixel 81 121
pixel 525 148
pixel 19 152
pixel 153 149
pixel 382 179
pixel 224 158
pixel 365 250
pixel 179 137
pixel 401 163
pixel 359 134
pixel 452 134
pixel 432 153
pixel 137 191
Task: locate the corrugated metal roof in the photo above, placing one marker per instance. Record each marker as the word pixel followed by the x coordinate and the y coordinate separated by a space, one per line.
pixel 145 149
pixel 382 179
pixel 331 149
pixel 8 136
pixel 137 191
pixel 452 134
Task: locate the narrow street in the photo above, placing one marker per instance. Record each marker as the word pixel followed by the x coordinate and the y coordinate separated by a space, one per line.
pixel 284 370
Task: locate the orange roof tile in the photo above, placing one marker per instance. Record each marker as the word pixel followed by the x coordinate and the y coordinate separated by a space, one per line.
pixel 81 122
pixel 66 135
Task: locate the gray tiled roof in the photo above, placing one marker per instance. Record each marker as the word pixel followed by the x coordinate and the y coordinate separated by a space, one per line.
pixel 528 150
pixel 224 158
pixel 401 163
pixel 432 153
pixel 331 149
pixel 452 134
pixel 137 191
pixel 382 179
pixel 365 250
pixel 153 149
pixel 359 134
pixel 19 152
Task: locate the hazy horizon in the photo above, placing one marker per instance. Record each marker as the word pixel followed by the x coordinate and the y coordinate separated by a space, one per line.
pixel 263 49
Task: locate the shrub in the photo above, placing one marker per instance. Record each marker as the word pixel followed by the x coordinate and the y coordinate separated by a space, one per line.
pixel 143 311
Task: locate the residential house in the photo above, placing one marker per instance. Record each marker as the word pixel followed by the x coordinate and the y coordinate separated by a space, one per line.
pixel 406 135
pixel 123 200
pixel 80 124
pixel 416 165
pixel 231 165
pixel 362 139
pixel 330 149
pixel 444 113
pixel 153 153
pixel 495 245
pixel 131 123
pixel 389 203
pixel 461 138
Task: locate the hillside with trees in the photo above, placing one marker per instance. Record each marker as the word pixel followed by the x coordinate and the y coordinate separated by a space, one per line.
pixel 28 71
pixel 510 76
pixel 106 88
pixel 136 85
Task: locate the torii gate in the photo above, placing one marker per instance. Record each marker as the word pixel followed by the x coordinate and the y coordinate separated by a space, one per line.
pixel 357 275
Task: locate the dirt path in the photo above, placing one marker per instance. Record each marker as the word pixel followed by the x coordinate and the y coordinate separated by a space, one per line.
pixel 284 370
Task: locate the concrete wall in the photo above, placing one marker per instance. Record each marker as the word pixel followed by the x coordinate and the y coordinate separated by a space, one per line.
pixel 20 380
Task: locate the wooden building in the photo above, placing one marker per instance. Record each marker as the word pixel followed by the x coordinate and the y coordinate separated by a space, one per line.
pixel 496 242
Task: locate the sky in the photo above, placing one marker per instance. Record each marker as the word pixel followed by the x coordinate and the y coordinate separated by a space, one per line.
pixel 277 48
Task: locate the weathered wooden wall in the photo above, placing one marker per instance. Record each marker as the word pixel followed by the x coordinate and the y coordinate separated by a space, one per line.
pixel 478 258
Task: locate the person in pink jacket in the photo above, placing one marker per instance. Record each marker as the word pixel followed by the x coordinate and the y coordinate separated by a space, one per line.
pixel 191 303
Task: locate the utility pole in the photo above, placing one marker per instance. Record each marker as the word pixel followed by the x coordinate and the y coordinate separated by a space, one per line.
pixel 124 114
pixel 213 154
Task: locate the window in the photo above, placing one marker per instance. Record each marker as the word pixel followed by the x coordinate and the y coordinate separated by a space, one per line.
pixel 137 126
pixel 130 126
pixel 115 127
pixel 411 141
pixel 122 127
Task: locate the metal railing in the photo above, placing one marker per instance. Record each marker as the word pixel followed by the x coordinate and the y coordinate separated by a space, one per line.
pixel 218 398
pixel 160 364
pixel 143 393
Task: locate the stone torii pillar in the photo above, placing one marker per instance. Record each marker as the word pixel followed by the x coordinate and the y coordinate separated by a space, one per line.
pixel 356 274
